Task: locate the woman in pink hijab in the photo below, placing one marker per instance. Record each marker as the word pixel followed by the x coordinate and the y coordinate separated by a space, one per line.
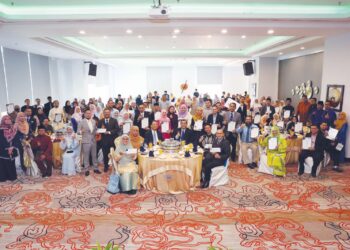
pixel 164 124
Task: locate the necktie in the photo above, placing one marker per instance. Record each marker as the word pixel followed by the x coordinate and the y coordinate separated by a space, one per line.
pixel 214 119
pixel 182 134
pixel 106 122
pixel 154 138
pixel 231 117
pixel 247 135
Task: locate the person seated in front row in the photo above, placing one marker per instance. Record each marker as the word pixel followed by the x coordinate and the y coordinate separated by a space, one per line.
pixel 247 142
pixel 70 146
pixel 42 147
pixel 316 151
pixel 126 166
pixel 212 160
pixel 206 140
pixel 276 147
pixel 183 133
pixel 153 136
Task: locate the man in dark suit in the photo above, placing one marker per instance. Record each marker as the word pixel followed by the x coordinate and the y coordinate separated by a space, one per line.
pixel 268 109
pixel 48 106
pixel 316 151
pixel 212 160
pixel 242 108
pixel 27 106
pixel 153 135
pixel 107 138
pixel 216 118
pixel 183 133
pixel 32 121
pixel 139 115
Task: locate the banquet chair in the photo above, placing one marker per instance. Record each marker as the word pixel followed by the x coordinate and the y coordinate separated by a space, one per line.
pixel 219 175
pixel 309 162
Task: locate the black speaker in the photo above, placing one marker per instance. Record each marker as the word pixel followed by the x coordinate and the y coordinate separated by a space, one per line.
pixel 92 69
pixel 248 68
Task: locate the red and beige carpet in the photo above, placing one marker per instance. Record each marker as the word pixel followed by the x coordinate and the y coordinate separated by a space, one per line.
pixel 255 211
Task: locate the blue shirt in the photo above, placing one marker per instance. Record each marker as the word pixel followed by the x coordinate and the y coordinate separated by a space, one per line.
pixel 246 132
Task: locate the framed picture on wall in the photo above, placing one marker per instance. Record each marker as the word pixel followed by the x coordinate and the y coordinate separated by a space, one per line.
pixel 335 94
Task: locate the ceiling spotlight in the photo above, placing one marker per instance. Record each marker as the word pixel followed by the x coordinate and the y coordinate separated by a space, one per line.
pixel 147 47
pixel 302 48
pixel 209 36
pixel 281 53
pixel 174 47
pixel 120 47
pixel 271 31
pixel 176 31
pixel 82 32
pixel 139 36
pixel 105 37
pixel 174 36
pixel 224 31
pixel 243 36
pixel 128 31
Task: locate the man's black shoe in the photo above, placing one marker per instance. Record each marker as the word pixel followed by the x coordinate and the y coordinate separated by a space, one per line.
pixel 96 171
pixel 87 173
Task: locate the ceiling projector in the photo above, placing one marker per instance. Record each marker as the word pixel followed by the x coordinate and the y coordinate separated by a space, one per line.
pixel 159 12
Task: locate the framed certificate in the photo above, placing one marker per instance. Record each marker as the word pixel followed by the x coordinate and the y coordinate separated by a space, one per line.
pixel 280 124
pixel 208 146
pixel 126 128
pixel 157 116
pixel 298 127
pixel 272 143
pixel 131 151
pixel 58 118
pixel 257 119
pixel 215 150
pixel 332 134
pixel 101 131
pixel 307 143
pixel 144 122
pixel 214 128
pixel 198 125
pixel 10 108
pixel 165 127
pixel 231 126
pixel 339 146
pixel 254 133
pixel 286 114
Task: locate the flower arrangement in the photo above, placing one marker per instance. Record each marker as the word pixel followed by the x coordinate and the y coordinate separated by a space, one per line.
pixel 183 87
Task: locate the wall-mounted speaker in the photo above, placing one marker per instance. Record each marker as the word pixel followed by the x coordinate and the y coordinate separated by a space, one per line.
pixel 248 68
pixel 92 69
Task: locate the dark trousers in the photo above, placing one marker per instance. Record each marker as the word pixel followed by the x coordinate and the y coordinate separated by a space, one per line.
pixel 45 170
pixel 317 157
pixel 335 155
pixel 106 150
pixel 209 162
pixel 232 138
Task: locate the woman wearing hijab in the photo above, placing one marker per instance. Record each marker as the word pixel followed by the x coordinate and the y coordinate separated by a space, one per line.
pixel 22 127
pixel 164 119
pixel 126 166
pixel 136 139
pixel 174 120
pixel 125 120
pixel 68 110
pixel 183 114
pixel 70 145
pixel 276 147
pixel 197 125
pixel 9 142
pixel 76 118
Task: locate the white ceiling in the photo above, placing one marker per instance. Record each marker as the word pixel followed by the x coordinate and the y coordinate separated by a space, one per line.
pixel 106 39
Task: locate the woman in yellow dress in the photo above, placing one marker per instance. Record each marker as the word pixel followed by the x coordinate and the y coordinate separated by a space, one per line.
pixel 276 147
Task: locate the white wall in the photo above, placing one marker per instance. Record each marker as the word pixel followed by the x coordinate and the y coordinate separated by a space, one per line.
pixel 336 65
pixel 268 77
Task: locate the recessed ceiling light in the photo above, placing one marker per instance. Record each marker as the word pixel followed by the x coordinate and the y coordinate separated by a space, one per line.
pixel 120 47
pixel 139 36
pixel 174 36
pixel 243 36
pixel 281 53
pixel 270 31
pixel 147 47
pixel 128 31
pixel 302 48
pixel 224 31
pixel 82 32
pixel 209 36
pixel 105 37
pixel 226 47
pixel 176 31
pixel 174 47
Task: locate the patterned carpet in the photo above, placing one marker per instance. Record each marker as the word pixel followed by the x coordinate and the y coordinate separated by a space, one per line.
pixel 255 211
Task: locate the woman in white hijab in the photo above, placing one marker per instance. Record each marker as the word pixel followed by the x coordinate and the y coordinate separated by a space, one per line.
pixel 126 165
pixel 70 145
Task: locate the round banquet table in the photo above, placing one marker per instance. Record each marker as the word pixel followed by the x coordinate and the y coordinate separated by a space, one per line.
pixel 170 173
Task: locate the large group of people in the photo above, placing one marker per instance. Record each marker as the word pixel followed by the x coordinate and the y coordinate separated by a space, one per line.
pixel 242 128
